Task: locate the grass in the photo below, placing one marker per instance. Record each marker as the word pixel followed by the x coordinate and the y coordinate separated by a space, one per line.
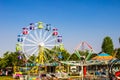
pixel 7 78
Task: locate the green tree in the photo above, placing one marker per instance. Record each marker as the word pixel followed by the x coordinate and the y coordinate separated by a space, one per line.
pixel 74 57
pixel 107 45
pixel 10 59
pixel 32 59
pixel 79 55
pixel 118 53
pixel 56 52
pixel 4 61
pixel 65 55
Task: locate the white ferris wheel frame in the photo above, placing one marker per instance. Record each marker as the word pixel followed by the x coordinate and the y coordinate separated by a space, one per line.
pixel 36 38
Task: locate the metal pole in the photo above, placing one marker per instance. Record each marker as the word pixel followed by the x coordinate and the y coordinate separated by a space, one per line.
pixel 82 70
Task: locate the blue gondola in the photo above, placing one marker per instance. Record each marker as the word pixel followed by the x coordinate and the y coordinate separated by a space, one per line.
pixel 60 55
pixel 48 27
pixel 19 36
pixel 20 39
pixel 31 26
pixel 59 39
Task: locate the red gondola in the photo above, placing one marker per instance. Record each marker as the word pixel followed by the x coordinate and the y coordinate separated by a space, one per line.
pixel 55 33
pixel 25 31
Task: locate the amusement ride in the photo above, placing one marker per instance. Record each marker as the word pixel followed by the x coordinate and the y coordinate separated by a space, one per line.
pixel 42 41
pixel 38 39
pixel 84 46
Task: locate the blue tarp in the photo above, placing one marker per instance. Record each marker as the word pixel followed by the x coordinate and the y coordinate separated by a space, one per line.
pixel 103 54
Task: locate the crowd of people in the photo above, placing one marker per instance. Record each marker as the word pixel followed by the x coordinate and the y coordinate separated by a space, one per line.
pixel 5 72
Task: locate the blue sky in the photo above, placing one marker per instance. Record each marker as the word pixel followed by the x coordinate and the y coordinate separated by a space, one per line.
pixel 77 20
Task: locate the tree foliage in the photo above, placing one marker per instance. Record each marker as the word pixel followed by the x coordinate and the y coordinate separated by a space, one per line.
pixel 75 55
pixel 58 52
pixel 10 59
pixel 107 45
pixel 118 53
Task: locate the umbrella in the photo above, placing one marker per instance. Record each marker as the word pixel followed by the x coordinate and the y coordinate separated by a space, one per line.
pixel 103 56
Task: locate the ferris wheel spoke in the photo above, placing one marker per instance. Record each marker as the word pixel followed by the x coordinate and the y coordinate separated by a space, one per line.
pixel 36 35
pixel 49 45
pixel 48 53
pixel 34 51
pixel 31 49
pixel 27 57
pixel 45 55
pixel 31 41
pixel 53 40
pixel 40 38
pixel 30 45
pixel 33 37
pixel 47 37
pixel 44 35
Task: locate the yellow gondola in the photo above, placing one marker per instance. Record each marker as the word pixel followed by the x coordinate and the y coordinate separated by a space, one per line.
pixel 40 25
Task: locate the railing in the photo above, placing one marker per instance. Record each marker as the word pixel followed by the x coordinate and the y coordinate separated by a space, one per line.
pixel 91 77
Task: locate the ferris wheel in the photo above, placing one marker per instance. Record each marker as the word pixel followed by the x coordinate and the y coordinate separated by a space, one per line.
pixel 36 39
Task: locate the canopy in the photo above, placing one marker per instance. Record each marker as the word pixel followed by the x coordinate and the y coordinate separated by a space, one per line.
pixel 102 56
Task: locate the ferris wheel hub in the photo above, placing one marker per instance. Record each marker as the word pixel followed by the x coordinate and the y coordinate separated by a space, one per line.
pixel 41 44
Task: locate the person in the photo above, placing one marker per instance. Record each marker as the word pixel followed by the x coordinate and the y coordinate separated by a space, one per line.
pixel 55 78
pixel 98 73
pixel 0 72
pixel 6 72
pixel 103 71
pixel 3 72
